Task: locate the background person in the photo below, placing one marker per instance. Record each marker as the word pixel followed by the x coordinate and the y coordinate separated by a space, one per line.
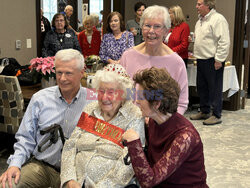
pixel 155 23
pixel 68 11
pixel 90 158
pixel 89 39
pixel 134 24
pixel 175 151
pixel 97 24
pixel 45 26
pixel 61 104
pixel 177 38
pixel 211 48
pixel 116 41
pixel 60 37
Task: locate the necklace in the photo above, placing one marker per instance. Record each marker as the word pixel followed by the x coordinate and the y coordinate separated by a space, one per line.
pixel 60 37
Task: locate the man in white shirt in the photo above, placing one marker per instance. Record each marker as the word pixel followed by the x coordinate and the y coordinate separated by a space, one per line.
pixel 211 48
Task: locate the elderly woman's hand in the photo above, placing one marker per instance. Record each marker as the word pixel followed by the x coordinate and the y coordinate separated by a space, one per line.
pixel 72 184
pixel 130 135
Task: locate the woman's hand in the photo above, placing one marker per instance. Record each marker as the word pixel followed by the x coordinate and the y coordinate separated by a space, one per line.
pixel 130 135
pixel 73 184
pixel 111 61
pixel 133 30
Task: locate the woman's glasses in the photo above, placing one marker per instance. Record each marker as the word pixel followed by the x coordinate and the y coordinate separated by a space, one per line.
pixel 147 27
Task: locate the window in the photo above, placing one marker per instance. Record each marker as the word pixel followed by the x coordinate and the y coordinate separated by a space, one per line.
pixel 95 7
pixel 49 8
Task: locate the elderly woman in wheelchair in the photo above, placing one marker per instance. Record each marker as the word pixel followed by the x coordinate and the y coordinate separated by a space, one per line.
pixel 94 154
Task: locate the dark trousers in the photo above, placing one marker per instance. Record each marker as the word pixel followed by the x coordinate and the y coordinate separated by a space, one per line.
pixel 209 86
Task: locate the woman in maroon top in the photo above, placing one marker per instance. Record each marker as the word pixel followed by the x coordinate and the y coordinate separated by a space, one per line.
pixel 177 38
pixel 175 156
pixel 89 39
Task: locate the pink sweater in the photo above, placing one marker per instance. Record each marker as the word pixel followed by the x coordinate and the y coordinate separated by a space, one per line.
pixel 133 61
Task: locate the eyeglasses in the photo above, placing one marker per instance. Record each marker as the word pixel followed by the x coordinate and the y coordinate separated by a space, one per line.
pixel 61 20
pixel 147 27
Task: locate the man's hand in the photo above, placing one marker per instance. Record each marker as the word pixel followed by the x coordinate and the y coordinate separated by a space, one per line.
pixel 12 172
pixel 217 65
pixel 73 184
pixel 130 135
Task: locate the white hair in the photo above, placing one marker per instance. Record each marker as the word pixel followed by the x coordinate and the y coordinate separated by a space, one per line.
pixel 156 12
pixel 88 18
pixel 95 17
pixel 112 77
pixel 68 7
pixel 69 55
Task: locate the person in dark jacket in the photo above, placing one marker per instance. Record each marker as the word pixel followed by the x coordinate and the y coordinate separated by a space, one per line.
pixel 60 37
pixel 45 27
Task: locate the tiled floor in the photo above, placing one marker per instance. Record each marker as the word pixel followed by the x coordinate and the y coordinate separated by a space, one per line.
pixel 226 149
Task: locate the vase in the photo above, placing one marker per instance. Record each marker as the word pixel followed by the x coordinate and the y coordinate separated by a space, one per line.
pixel 48 83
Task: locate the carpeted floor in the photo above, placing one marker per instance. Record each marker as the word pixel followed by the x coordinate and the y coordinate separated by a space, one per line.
pixel 226 148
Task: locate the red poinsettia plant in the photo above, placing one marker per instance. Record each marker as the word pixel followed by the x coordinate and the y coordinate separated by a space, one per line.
pixel 44 66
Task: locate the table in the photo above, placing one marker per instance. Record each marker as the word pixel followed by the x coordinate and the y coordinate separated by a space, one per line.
pixel 230 80
pixel 28 91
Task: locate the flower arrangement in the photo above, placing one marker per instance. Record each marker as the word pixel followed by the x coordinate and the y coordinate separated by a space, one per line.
pixel 92 59
pixel 44 66
pixel 93 63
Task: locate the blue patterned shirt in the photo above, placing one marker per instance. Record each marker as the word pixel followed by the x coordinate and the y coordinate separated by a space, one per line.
pixel 46 108
pixel 112 48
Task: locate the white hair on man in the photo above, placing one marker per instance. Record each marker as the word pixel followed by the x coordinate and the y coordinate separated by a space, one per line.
pixel 69 55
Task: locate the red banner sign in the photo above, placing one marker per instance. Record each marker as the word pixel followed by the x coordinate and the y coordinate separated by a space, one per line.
pixel 101 128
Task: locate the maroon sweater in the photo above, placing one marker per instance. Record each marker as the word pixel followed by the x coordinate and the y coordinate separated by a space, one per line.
pixel 175 156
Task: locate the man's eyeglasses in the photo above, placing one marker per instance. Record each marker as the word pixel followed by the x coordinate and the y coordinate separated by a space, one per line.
pixel 147 27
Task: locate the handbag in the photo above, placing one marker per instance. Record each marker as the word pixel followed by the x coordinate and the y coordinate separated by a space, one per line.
pixel 9 66
pixel 27 77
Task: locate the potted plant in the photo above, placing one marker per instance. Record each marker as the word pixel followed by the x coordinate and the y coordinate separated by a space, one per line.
pixel 46 67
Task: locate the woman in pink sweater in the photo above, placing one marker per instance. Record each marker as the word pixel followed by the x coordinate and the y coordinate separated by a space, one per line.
pixel 155 23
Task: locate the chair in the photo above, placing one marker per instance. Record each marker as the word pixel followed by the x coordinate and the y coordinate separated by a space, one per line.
pixel 11 104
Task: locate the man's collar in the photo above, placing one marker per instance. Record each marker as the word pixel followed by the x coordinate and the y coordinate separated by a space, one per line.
pixel 59 94
pixel 207 15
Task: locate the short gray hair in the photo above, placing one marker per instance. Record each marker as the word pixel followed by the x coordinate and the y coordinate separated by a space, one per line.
pixel 157 12
pixel 210 4
pixel 69 55
pixel 95 18
pixel 124 83
pixel 88 18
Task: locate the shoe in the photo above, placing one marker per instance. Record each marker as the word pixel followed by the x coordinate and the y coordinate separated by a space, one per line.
pixel 199 116
pixel 212 121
